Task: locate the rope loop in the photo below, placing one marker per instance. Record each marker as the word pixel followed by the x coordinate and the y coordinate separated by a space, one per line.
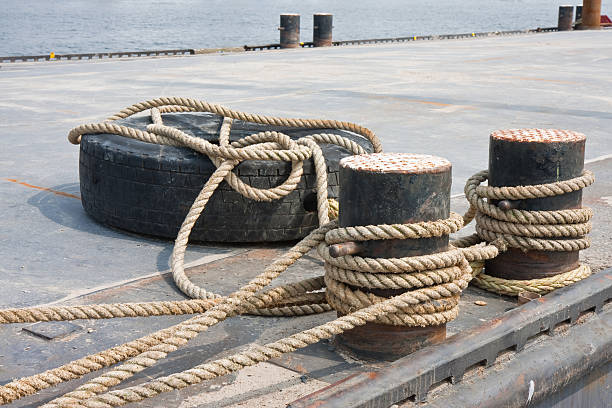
pixel 396 231
pixel 538 190
pixel 557 231
pixel 410 291
pixel 432 283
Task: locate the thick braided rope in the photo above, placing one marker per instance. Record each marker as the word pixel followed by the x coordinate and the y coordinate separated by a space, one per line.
pixel 393 265
pixel 104 311
pixel 429 278
pixel 279 301
pixel 223 169
pixel 310 303
pixel 396 231
pixel 538 190
pixel 256 140
pixel 227 308
pixel 200 202
pixel 561 230
pixel 85 395
pixel 542 286
pixel 160 308
pixel 175 104
pixel 572 216
pixel 228 156
pixel 423 306
pixel 183 332
pixel 234 303
pixel 255 355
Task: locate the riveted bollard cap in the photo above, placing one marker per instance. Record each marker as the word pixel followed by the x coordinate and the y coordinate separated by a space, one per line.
pixel 406 163
pixel 538 135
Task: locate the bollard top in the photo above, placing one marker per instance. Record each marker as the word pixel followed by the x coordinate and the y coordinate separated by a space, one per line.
pixel 538 136
pixel 406 163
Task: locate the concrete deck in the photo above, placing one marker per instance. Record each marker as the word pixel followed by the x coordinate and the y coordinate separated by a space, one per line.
pixel 439 97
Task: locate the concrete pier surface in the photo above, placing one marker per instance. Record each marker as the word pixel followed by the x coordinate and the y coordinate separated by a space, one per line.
pixel 438 97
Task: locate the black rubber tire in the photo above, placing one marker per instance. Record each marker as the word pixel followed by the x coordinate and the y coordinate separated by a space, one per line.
pixel 148 189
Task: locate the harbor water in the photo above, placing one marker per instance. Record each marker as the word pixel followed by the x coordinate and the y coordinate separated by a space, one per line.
pixel 31 27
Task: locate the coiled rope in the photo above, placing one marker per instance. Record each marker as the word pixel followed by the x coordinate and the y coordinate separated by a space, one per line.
pixel 439 277
pixel 436 280
pixel 560 230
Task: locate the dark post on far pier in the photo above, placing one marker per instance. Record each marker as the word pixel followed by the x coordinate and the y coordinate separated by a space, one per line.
pixel 566 18
pixel 322 30
pixel 289 30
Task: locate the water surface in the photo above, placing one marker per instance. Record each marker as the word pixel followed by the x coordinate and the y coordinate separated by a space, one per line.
pixel 75 26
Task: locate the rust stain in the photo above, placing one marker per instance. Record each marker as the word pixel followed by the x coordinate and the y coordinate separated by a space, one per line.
pixel 301 369
pixel 430 103
pixel 263 253
pixel 56 192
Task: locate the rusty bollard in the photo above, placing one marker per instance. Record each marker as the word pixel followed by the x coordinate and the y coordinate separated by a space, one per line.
pixel 591 15
pixel 566 18
pixel 322 30
pixel 396 188
pixel 289 30
pixel 527 157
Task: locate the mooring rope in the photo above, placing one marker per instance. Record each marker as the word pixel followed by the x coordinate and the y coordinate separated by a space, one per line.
pixel 440 277
pixel 432 282
pixel 436 280
pixel 560 230
pixel 289 300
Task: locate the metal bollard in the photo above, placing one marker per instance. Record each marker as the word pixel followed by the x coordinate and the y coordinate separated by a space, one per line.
pixel 386 189
pixel 322 30
pixel 528 157
pixel 591 15
pixel 289 30
pixel 566 18
pixel 578 14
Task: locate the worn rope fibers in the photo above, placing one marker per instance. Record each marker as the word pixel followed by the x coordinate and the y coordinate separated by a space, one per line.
pixel 434 282
pixel 295 299
pixel 560 230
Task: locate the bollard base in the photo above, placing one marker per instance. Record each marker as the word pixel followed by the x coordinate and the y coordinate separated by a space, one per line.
pixel 323 43
pixel 584 27
pixel 525 265
pixel 382 342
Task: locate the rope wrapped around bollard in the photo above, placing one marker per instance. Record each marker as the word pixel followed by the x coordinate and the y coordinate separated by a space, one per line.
pixel 295 299
pixel 560 230
pixel 434 281
pixel 419 302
